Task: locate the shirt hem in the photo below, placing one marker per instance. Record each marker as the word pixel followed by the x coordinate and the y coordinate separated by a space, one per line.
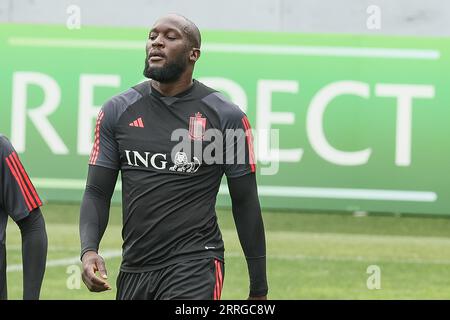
pixel 147 268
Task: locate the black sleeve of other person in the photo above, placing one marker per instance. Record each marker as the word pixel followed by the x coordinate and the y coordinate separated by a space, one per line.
pixel 250 228
pixel 94 211
pixel 34 253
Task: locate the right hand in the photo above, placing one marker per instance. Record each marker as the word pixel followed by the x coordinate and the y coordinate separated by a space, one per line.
pixel 93 263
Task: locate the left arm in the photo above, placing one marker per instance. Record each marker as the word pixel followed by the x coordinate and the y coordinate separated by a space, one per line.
pixel 250 229
pixel 34 253
pixel 22 203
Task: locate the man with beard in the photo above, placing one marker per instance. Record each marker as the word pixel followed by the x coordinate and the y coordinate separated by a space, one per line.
pixel 20 201
pixel 172 245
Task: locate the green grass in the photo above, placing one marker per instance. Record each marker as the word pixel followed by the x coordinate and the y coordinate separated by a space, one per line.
pixel 310 256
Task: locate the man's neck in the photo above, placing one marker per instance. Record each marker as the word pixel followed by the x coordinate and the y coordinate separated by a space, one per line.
pixel 172 89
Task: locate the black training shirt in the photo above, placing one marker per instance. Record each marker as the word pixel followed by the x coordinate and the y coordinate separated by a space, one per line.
pixel 169 191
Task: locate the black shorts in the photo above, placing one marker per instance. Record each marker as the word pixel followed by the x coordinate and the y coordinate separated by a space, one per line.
pixel 190 280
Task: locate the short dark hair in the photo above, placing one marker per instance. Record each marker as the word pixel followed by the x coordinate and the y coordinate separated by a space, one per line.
pixel 192 32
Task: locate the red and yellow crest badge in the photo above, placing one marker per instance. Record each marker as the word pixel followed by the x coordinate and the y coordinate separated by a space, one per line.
pixel 197 125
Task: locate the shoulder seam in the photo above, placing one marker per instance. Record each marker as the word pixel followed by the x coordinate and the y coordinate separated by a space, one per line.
pixel 226 102
pixel 218 115
pixel 142 86
pixel 120 100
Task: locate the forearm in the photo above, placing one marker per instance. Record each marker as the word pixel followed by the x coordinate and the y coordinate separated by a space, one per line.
pixel 94 211
pixel 94 216
pixel 252 239
pixel 34 253
pixel 250 228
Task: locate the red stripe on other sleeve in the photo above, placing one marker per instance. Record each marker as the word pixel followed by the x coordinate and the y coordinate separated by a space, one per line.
pixel 27 180
pixel 27 192
pixel 19 182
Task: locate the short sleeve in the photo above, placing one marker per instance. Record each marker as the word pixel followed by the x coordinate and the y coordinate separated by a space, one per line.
pixel 105 151
pixel 239 156
pixel 18 194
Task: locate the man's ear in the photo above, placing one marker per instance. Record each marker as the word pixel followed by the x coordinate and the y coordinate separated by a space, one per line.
pixel 195 55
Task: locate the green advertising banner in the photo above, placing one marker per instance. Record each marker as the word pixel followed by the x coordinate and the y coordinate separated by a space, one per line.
pixel 340 122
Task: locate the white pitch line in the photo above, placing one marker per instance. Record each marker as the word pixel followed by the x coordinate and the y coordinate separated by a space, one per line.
pixel 233 48
pixel 296 257
pixel 67 261
pixel 351 259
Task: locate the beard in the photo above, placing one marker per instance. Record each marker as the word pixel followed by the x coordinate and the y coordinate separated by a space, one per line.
pixel 169 72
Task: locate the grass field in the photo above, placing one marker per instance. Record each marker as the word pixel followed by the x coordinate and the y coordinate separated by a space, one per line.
pixel 310 256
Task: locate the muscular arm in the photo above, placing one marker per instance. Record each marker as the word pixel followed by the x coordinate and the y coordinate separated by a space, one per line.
pixel 34 253
pixel 94 216
pixel 250 228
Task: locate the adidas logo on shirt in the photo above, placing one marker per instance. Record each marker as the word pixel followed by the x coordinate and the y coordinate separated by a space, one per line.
pixel 137 123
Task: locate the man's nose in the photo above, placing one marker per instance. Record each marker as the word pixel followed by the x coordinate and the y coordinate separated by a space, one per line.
pixel 157 42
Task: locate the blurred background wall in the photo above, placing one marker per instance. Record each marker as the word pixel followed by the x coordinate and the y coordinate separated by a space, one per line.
pixel 378 67
pixel 310 255
pixel 399 17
